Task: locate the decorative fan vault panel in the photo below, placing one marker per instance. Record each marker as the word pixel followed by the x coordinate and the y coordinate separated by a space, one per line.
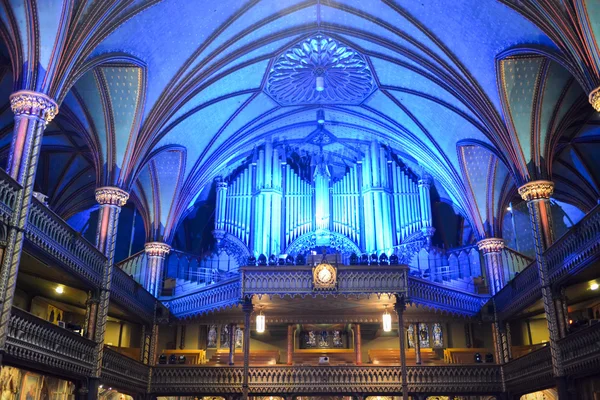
pixel 295 75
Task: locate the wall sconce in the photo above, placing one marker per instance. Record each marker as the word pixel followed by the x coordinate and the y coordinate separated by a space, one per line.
pixel 260 322
pixel 387 321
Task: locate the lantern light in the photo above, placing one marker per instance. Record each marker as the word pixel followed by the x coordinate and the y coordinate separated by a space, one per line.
pixel 387 321
pixel 260 323
pixel 320 117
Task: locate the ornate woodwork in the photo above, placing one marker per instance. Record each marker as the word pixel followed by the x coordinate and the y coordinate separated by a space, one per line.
pixel 123 372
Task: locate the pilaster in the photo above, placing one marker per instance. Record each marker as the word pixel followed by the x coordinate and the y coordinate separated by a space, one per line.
pixel 32 112
pixel 156 252
pixel 400 307
pixel 537 194
pixel 492 255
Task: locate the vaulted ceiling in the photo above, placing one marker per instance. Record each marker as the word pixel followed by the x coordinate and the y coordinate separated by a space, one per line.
pixel 160 97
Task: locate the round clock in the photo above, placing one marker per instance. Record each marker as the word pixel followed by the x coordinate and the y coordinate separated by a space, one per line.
pixel 324 276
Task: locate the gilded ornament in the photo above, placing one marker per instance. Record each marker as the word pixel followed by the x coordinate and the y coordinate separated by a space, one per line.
pixel 595 98
pixel 536 190
pixel 157 249
pixel 26 102
pixel 324 276
pixel 490 245
pixel 112 196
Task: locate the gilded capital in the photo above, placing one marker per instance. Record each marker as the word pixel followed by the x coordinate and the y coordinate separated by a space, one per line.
pixel 157 249
pixel 490 245
pixel 112 196
pixel 595 98
pixel 26 102
pixel 536 190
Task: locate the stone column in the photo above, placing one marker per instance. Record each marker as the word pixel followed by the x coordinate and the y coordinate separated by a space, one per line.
pixel 358 344
pixel 400 307
pixel 492 254
pixel 290 344
pixel 562 312
pixel 156 252
pixel 537 194
pixel 247 308
pixel 232 344
pixel 33 111
pixel 417 342
pixel 111 199
pixel 91 311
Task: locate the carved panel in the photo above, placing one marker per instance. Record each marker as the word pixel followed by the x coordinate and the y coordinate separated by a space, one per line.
pixel 123 372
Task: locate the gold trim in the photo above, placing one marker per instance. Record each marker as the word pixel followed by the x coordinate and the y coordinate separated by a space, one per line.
pixel 26 102
pixel 111 195
pixel 536 190
pixel 157 249
pixel 594 98
pixel 318 282
pixel 490 245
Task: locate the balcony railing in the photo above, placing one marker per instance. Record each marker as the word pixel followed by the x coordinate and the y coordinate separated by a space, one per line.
pixel 441 297
pixel 32 340
pixel 123 372
pixel 8 196
pixel 218 296
pixel 325 379
pixel 581 351
pixel 522 290
pixel 127 292
pixel 50 233
pixel 576 248
pixel 531 371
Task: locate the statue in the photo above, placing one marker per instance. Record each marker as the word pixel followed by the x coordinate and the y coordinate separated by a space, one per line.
pixel 212 336
pixel 311 340
pixel 239 338
pixel 337 339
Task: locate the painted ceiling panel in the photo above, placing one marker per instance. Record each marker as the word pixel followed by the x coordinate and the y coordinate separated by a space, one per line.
pixel 49 14
pixel 202 126
pixel 477 164
pixel 485 28
pixel 519 85
pixel 393 20
pixel 390 74
pixel 553 86
pixel 247 78
pixel 90 103
pixel 589 12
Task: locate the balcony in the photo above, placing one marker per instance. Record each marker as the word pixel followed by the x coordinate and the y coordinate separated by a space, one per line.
pixel 581 351
pixel 574 251
pixel 182 380
pixel 34 341
pixel 123 372
pixel 530 372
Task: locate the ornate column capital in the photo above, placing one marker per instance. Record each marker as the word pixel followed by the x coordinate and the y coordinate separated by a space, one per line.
pixel 490 245
pixel 25 102
pixel 157 249
pixel 221 184
pixel 111 195
pixel 595 98
pixel 536 190
pixel 425 181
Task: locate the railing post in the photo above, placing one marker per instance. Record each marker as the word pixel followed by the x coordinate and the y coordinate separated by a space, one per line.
pixel 400 306
pixel 247 308
pixel 537 195
pixel 358 344
pixel 232 343
pixel 33 111
pixel 417 342
pixel 290 344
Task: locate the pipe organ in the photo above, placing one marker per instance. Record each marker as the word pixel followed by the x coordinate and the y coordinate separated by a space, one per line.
pixel 377 203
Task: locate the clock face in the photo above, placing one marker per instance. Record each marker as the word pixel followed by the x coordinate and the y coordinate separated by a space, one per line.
pixel 324 275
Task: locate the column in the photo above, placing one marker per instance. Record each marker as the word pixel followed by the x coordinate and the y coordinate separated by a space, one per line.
pixel 358 344
pixel 156 252
pixel 91 311
pixel 111 199
pixel 492 255
pixel 417 341
pixel 232 344
pixel 562 312
pixel 220 208
pixel 32 112
pixel 290 344
pixel 400 307
pixel 537 194
pixel 247 308
pixel 425 208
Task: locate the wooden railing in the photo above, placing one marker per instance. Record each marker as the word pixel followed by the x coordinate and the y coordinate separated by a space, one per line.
pixel 531 371
pixel 325 379
pixel 581 351
pixel 123 372
pixel 218 296
pixel 34 341
pixel 50 233
pixel 445 298
pixel 127 292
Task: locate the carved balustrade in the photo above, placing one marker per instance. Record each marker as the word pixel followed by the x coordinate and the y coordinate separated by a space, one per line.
pixel 581 351
pixel 48 232
pixel 531 371
pixel 8 196
pixel 522 290
pixel 218 296
pixel 123 372
pixel 325 379
pixel 440 297
pixel 578 247
pixel 34 341
pixel 298 280
pixel 127 292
